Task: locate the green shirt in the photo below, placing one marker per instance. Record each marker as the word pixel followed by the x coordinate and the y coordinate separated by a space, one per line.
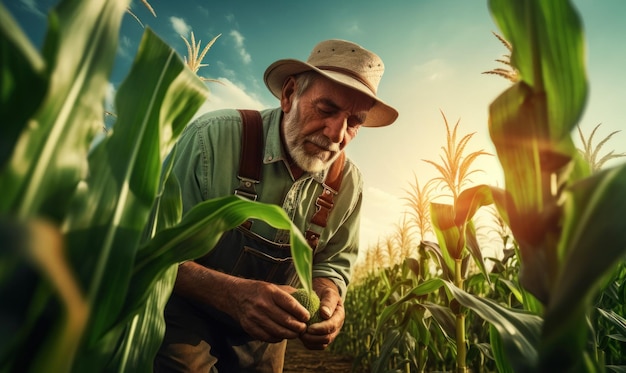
pixel 207 164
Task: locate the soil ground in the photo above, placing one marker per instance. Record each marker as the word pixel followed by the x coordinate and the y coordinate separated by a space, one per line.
pixel 298 359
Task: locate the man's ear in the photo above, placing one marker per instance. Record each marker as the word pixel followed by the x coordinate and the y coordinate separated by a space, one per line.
pixel 288 93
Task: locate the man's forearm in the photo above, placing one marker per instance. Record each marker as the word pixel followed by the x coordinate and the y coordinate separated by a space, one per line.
pixel 205 285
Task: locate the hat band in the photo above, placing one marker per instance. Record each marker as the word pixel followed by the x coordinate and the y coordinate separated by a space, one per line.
pixel 351 74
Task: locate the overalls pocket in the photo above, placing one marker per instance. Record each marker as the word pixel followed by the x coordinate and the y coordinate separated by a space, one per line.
pixel 244 254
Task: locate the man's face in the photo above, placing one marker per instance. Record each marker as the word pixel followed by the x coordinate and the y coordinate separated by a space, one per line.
pixel 320 123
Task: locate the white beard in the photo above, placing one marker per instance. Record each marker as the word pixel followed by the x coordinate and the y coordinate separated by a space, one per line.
pixel 312 163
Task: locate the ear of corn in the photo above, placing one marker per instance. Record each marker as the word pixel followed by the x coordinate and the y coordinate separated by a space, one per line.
pixel 311 302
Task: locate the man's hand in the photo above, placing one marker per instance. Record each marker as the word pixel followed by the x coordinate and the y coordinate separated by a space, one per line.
pixel 319 335
pixel 266 311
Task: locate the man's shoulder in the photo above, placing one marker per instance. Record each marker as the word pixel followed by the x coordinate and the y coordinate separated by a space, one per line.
pixel 225 118
pixel 352 176
pixel 217 117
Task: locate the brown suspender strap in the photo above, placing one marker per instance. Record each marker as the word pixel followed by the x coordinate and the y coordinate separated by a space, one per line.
pixel 251 153
pixel 250 173
pixel 324 202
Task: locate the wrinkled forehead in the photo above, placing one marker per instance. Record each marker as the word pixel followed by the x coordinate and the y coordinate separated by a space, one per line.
pixel 344 97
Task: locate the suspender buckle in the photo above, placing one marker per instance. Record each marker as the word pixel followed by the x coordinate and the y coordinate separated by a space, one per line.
pixel 322 203
pixel 247 188
pixel 312 239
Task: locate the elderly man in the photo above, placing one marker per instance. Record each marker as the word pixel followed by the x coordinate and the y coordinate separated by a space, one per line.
pixel 231 311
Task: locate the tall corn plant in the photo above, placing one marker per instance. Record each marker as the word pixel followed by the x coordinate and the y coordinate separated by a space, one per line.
pixel 559 213
pixel 453 223
pixel 91 289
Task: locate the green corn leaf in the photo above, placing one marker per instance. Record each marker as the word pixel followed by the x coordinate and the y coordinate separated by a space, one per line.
pixel 513 289
pixel 33 256
pixel 110 211
pixel 393 338
pixel 435 251
pixel 590 252
pixel 530 125
pixel 446 319
pixel 454 228
pixel 549 52
pixel 24 83
pixel 619 322
pixel 139 339
pixel 200 230
pixel 388 313
pixel 515 138
pixel 193 237
pixel 520 331
pixel 599 198
pixel 448 234
pixel 168 206
pixel 469 201
pixel 49 157
pixel 498 352
pixel 144 332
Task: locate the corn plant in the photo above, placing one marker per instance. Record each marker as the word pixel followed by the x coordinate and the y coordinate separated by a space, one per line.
pixel 94 269
pixel 508 72
pixel 194 56
pixel 590 152
pixel 453 224
pixel 407 317
pixel 455 169
pixel 418 201
pixel 558 212
pixel 608 322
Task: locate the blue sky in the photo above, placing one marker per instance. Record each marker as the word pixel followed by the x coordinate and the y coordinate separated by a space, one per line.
pixel 434 52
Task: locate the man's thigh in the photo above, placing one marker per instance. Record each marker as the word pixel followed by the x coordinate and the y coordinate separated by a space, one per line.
pixel 192 343
pixel 185 346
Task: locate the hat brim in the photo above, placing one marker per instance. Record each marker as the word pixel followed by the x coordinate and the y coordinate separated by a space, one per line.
pixel 379 115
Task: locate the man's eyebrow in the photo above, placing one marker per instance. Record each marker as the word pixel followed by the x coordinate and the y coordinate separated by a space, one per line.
pixel 327 101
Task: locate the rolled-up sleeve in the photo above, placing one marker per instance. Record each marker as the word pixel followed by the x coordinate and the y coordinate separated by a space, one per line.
pixel 337 258
pixel 340 239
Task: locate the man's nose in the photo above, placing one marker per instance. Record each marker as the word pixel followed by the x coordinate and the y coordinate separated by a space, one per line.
pixel 335 129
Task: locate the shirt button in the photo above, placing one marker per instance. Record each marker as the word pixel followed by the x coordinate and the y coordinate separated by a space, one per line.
pixel 270 158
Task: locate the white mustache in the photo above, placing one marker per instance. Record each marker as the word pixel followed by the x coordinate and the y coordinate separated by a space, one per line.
pixel 324 143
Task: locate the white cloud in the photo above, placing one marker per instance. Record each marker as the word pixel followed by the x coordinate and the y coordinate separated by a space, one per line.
pixel 226 71
pixel 435 69
pixel 239 45
pixel 124 46
pixel 31 6
pixel 229 96
pixel 180 26
pixel 353 28
pixel 109 98
pixel 203 11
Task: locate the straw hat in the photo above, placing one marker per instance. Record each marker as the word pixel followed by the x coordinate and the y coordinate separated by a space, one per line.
pixel 345 63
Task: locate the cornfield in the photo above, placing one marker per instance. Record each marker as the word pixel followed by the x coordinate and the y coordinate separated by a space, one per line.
pixel 96 266
pixel 550 300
